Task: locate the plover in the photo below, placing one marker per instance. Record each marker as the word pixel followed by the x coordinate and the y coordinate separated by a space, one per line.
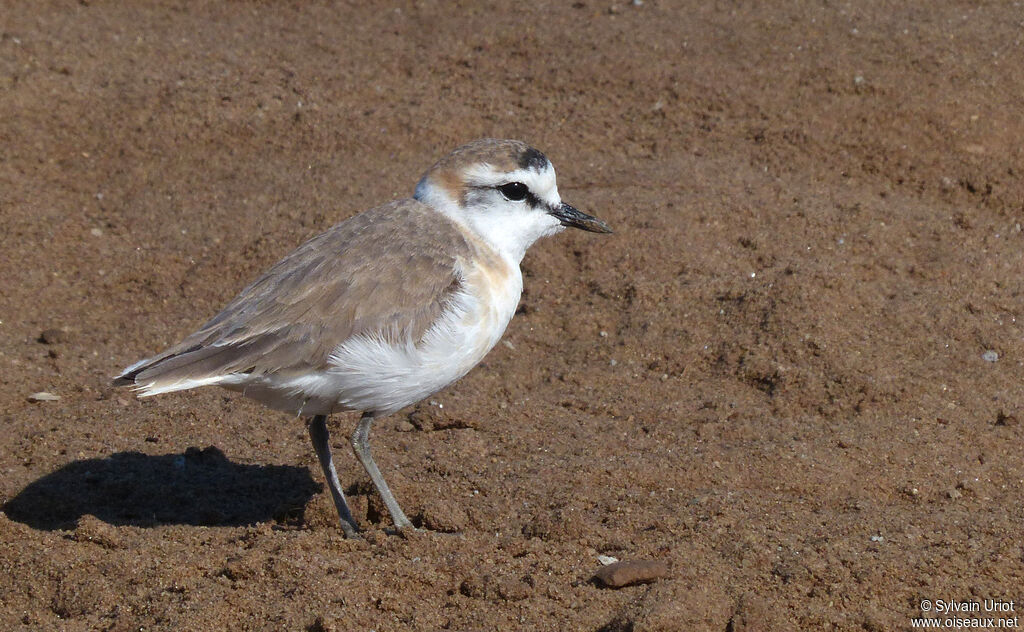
pixel 383 309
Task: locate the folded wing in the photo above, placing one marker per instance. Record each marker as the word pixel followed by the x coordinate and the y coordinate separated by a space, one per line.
pixel 381 273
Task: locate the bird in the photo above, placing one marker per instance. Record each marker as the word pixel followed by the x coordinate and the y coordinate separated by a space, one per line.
pixel 383 309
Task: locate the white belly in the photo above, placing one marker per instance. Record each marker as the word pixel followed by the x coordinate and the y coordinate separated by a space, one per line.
pixel 369 374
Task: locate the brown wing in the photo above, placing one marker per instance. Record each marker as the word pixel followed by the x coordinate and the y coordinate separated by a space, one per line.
pixel 388 271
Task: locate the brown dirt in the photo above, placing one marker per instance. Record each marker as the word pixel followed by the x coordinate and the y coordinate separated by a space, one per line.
pixel 770 377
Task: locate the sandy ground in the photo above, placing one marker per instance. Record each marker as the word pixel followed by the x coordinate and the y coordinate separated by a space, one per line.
pixel 794 374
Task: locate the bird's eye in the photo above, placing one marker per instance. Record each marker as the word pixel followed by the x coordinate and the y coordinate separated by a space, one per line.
pixel 514 191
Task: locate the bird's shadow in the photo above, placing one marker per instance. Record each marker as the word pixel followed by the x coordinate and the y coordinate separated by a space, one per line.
pixel 199 487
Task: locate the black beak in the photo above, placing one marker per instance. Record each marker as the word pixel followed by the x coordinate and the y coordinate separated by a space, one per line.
pixel 570 216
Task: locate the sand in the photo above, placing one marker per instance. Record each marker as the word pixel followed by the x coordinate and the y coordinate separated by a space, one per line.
pixel 793 375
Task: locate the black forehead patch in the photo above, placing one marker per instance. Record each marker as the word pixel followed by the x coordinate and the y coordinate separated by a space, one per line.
pixel 532 159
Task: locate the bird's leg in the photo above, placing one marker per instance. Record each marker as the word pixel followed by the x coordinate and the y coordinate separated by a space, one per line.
pixel 361 445
pixel 322 444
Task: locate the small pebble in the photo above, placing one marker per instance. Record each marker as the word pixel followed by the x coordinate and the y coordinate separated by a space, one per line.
pixel 620 574
pixel 990 356
pixel 877 538
pixel 43 396
pixel 607 560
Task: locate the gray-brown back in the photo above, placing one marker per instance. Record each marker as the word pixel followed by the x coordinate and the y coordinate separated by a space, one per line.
pixel 389 271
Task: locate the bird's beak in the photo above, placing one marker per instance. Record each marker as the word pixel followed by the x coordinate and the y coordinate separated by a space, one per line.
pixel 570 216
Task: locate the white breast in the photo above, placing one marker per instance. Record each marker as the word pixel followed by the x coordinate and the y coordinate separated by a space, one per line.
pixel 370 374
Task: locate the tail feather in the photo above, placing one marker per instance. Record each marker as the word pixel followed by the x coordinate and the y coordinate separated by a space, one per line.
pixel 201 365
pixel 172 370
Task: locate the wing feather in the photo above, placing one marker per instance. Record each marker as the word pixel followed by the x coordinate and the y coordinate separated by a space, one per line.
pixel 388 272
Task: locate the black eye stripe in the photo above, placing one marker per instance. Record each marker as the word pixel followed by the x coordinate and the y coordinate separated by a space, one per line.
pixel 533 200
pixel 527 196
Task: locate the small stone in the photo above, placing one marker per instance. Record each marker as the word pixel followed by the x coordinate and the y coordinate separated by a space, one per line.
pixel 990 356
pixel 620 574
pixel 954 493
pixel 607 560
pixel 43 396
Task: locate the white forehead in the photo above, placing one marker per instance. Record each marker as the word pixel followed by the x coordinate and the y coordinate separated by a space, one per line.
pixel 541 182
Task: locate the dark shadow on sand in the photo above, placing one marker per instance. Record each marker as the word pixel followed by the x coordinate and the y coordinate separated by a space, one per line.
pixel 199 487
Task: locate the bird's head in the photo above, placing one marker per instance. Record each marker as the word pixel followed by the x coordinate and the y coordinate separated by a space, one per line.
pixel 505 191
